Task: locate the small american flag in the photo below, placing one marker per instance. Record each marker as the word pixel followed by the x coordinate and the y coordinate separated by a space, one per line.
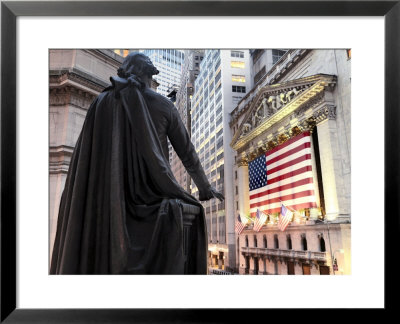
pixel 283 174
pixel 261 217
pixel 239 225
pixel 285 217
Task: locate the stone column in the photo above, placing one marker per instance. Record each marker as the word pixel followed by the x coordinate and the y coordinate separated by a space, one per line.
pixel 243 186
pixel 264 262
pixel 330 162
pixel 284 267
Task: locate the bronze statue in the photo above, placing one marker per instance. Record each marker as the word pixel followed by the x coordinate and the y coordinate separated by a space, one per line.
pixel 120 209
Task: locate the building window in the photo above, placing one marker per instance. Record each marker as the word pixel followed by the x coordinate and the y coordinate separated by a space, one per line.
pixel 237 64
pixel 217 77
pixel 276 242
pixel 265 241
pixel 276 55
pixel 255 241
pixel 238 78
pixel 217 113
pixel 238 89
pixel 237 205
pixel 218 99
pixel 246 241
pixel 303 242
pixel 322 246
pixel 348 53
pixel 235 172
pixel 259 74
pixel 289 242
pixel 236 99
pixel 237 54
pixel 236 190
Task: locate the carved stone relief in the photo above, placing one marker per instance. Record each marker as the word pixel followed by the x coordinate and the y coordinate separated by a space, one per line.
pixel 327 112
pixel 269 103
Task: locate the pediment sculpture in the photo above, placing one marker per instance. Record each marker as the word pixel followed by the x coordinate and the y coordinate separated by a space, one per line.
pixel 276 101
pixel 268 105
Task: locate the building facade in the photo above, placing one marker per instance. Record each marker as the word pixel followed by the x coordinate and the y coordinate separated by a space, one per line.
pixel 222 82
pixel 262 61
pixel 306 91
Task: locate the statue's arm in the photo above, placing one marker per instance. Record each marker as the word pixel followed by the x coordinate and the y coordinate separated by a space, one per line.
pixel 184 148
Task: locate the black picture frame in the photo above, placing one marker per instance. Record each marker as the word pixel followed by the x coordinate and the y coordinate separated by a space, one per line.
pixel 10 10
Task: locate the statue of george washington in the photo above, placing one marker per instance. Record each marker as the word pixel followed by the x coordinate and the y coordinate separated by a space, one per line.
pixel 120 211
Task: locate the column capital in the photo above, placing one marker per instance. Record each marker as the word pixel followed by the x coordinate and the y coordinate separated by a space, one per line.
pixel 326 112
pixel 244 161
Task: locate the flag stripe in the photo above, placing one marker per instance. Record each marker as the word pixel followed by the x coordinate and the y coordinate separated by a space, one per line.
pixel 288 170
pixel 290 163
pixel 290 174
pixel 292 196
pixel 295 150
pixel 290 185
pixel 292 203
pixel 299 139
pixel 305 151
pixel 284 193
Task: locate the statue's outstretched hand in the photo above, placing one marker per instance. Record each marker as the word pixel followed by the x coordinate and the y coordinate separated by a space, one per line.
pixel 217 194
pixel 211 193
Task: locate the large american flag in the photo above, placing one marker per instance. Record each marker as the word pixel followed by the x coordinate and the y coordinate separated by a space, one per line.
pixel 283 174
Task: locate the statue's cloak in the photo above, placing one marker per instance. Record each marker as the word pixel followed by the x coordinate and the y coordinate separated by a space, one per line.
pixel 120 210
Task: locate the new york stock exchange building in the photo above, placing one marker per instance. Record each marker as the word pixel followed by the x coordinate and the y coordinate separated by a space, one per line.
pixel 291 138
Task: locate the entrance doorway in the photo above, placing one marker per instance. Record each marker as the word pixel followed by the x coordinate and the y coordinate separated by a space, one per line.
pixel 306 269
pixel 221 264
pixel 246 270
pixel 324 270
pixel 255 266
pixel 215 261
pixel 290 268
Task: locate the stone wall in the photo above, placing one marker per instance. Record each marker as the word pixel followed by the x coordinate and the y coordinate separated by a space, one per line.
pixel 76 76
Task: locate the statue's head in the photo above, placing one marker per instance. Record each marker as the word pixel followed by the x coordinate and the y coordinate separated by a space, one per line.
pixel 138 64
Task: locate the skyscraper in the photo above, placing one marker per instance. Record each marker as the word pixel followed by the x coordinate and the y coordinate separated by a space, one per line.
pixel 222 82
pixel 169 62
pixel 184 95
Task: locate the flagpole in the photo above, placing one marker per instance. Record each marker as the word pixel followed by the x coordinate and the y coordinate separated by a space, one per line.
pixel 330 247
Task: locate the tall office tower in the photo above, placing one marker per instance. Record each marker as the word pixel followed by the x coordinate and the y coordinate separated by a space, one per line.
pixel 222 82
pixel 190 71
pixel 262 60
pixel 169 62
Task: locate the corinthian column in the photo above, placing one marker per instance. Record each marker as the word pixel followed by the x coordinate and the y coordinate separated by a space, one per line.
pixel 243 186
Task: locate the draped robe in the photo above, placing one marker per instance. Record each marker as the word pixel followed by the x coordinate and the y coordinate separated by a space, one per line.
pixel 120 209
